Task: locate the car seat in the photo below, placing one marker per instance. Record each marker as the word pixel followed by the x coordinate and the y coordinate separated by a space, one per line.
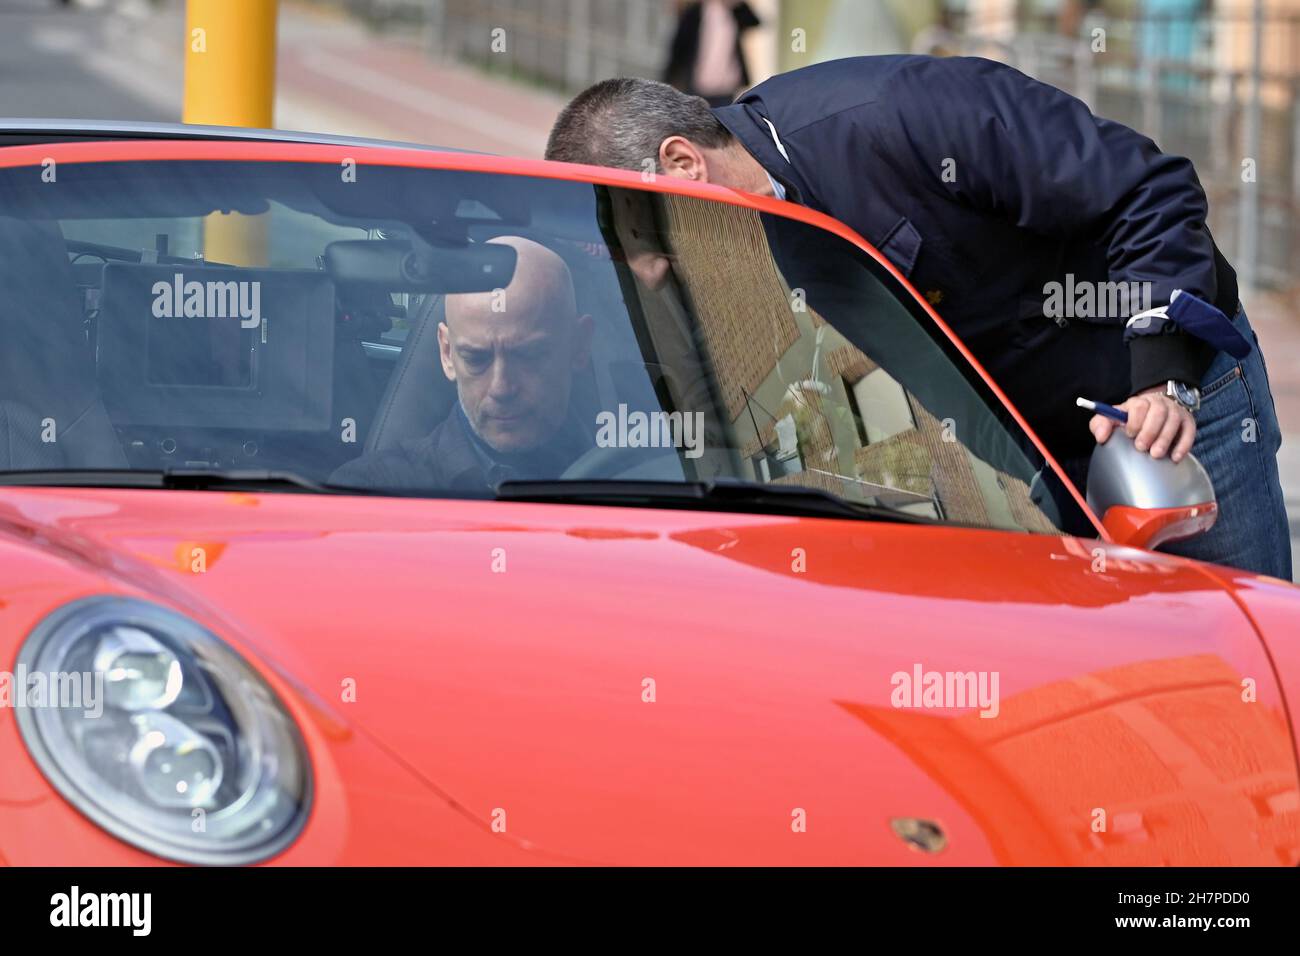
pixel 418 395
pixel 45 364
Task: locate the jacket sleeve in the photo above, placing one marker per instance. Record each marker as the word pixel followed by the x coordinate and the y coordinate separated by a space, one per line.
pixel 1035 156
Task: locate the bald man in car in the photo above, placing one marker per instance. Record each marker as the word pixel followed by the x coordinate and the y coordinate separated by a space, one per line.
pixel 512 354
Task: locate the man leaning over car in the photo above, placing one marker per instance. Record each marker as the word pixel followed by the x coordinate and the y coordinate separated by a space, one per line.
pixel 988 190
pixel 512 357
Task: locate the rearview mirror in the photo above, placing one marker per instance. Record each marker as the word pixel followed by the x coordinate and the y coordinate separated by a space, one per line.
pixel 1146 502
pixel 398 265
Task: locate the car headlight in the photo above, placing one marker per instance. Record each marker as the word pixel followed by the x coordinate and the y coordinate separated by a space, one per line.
pixel 160 733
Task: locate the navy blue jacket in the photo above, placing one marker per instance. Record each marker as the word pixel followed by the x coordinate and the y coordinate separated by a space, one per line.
pixel 984 186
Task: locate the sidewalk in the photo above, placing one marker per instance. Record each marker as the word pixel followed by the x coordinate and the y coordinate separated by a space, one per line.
pixel 333 76
pixel 336 76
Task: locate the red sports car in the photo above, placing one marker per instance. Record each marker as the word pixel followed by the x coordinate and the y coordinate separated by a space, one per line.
pixel 369 504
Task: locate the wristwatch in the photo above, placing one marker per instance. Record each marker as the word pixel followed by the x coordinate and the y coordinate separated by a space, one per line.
pixel 1188 396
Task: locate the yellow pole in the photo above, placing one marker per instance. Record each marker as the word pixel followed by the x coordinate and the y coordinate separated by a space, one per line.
pixel 230 81
pixel 230 62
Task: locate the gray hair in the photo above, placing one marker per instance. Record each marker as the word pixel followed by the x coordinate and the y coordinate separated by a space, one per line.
pixel 621 123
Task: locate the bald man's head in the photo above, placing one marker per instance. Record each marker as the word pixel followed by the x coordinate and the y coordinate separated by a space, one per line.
pixel 512 352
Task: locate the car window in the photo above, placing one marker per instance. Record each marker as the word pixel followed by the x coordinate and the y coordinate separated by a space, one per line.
pixel 435 332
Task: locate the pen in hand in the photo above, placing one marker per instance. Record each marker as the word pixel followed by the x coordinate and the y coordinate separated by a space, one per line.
pixel 1101 408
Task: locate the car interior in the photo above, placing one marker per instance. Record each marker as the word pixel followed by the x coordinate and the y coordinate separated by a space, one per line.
pixel 343 359
pixel 217 317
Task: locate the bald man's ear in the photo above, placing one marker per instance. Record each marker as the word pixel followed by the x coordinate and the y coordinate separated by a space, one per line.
pixel 444 351
pixel 582 342
pixel 681 158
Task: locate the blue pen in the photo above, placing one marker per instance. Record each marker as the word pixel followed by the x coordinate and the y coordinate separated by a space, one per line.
pixel 1101 408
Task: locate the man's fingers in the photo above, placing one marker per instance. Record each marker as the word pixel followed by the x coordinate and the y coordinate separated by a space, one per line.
pixel 1177 420
pixel 1101 427
pixel 1157 413
pixel 1137 411
pixel 1186 439
pixel 1155 423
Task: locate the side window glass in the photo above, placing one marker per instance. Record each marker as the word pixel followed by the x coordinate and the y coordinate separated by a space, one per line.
pixel 824 378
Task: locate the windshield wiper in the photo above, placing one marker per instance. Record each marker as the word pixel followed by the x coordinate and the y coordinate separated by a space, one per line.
pixel 720 495
pixel 192 479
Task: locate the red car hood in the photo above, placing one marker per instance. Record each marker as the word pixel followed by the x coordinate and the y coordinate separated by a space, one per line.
pixel 649 686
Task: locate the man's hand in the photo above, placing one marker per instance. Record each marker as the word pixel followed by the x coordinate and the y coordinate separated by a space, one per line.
pixel 1155 422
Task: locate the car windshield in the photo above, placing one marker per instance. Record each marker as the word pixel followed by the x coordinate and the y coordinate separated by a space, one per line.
pixel 436 332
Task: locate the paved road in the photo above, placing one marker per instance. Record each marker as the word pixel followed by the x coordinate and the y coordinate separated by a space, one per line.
pixel 121 59
pixel 53 61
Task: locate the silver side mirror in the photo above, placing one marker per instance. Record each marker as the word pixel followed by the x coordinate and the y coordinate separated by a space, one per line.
pixel 1146 502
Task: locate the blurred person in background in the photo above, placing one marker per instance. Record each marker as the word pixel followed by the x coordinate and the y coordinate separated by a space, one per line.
pixel 1072 14
pixel 706 58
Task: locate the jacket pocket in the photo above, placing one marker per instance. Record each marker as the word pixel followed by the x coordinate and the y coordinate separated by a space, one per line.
pixel 901 245
pixel 1032 307
pixel 1034 328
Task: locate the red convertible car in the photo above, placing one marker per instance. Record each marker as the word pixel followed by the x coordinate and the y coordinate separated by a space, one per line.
pixel 371 504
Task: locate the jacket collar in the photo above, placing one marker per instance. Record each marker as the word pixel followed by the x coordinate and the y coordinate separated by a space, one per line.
pixel 471 462
pixel 747 120
pixel 452 448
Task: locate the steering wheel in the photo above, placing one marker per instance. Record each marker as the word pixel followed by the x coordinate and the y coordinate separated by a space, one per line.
pixel 613 461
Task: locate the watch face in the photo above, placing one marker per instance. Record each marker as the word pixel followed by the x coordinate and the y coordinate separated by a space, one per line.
pixel 1185 394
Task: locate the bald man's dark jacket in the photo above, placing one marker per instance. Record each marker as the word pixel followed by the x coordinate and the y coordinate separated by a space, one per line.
pixel 453 458
pixel 983 186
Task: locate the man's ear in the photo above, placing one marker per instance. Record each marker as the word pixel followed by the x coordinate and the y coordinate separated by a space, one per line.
pixel 582 342
pixel 444 351
pixel 681 158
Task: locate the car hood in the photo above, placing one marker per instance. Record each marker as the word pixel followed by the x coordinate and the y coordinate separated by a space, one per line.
pixel 620 685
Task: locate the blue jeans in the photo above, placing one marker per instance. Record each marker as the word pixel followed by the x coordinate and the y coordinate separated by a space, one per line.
pixel 1237 439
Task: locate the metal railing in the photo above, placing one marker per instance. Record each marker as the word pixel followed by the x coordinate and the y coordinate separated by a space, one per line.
pixel 1239 124
pixel 565 44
